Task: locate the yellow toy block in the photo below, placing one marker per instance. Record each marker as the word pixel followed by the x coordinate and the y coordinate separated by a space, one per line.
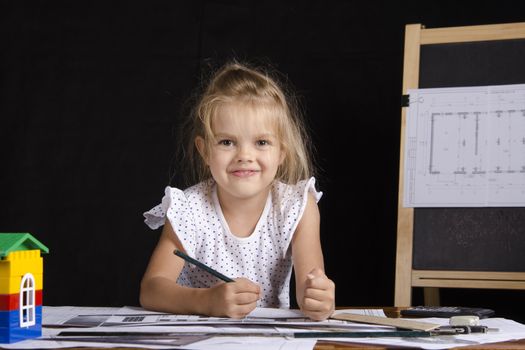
pixel 11 285
pixel 20 262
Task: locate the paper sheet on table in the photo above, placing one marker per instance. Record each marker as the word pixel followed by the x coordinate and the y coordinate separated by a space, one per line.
pixel 366 312
pixel 507 330
pixel 265 312
pixel 233 342
pixel 134 316
pixel 59 316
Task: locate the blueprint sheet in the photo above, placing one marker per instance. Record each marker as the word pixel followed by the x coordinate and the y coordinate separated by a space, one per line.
pixel 465 147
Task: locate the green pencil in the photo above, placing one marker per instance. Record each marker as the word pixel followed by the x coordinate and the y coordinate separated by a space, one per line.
pixel 202 266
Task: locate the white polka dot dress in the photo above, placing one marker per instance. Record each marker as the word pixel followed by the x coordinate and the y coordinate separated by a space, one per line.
pixel 264 257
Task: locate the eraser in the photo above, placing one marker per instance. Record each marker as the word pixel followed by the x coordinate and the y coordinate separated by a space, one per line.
pixel 464 321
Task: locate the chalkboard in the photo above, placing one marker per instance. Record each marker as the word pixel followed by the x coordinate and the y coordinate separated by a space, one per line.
pixel 472 64
pixel 460 247
pixel 477 239
pixel 469 239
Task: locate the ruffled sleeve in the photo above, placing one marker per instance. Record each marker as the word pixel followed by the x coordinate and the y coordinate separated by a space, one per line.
pixel 309 187
pixel 303 188
pixel 290 205
pixel 177 209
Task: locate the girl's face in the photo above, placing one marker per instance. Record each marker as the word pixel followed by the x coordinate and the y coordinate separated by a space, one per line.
pixel 245 152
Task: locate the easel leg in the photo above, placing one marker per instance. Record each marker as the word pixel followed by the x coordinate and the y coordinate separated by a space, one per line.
pixel 431 296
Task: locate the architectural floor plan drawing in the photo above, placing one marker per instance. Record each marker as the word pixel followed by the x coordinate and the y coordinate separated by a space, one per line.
pixel 465 147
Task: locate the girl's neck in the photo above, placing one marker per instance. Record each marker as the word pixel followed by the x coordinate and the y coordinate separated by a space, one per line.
pixel 242 214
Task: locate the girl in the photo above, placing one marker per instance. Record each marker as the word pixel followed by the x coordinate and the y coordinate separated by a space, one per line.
pixel 252 214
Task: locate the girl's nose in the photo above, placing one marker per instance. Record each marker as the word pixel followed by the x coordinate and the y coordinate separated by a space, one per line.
pixel 245 154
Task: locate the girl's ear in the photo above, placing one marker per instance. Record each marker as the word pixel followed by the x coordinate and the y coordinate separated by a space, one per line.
pixel 201 147
pixel 282 156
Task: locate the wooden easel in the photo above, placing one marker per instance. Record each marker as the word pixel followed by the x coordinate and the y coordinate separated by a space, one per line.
pixel 406 277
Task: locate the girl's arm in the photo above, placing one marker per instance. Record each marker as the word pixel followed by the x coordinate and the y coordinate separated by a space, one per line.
pixel 315 292
pixel 159 289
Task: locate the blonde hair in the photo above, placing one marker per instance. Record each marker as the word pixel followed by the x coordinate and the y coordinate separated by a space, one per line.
pixel 236 82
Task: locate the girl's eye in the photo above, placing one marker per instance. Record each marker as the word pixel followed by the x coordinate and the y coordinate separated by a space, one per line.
pixel 263 143
pixel 226 142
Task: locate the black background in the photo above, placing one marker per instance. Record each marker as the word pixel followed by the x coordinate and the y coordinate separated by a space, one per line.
pixel 91 90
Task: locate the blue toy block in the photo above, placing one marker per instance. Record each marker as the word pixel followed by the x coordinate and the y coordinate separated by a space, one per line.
pixel 10 330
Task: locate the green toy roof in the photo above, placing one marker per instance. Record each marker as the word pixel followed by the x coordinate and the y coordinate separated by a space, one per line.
pixel 12 242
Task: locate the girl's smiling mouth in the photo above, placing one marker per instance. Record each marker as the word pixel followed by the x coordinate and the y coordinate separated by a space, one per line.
pixel 244 172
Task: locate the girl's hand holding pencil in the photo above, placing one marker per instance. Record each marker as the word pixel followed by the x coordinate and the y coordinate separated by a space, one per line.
pixel 236 298
pixel 233 299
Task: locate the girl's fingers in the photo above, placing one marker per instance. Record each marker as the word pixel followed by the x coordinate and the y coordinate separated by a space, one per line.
pixel 323 283
pixel 246 298
pixel 317 306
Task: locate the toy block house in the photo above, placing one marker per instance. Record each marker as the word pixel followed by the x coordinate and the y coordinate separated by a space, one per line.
pixel 21 281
